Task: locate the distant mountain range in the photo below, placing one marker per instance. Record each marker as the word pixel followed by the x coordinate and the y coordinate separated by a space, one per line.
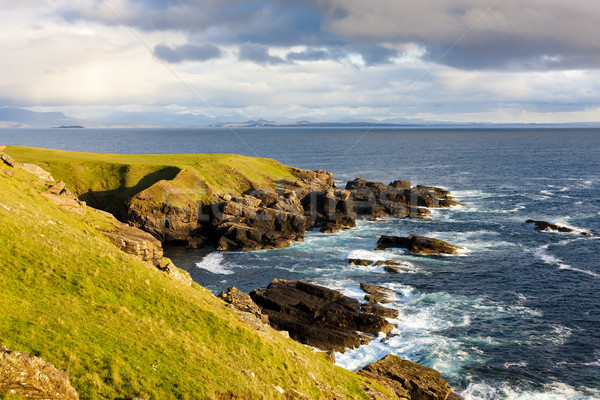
pixel 11 117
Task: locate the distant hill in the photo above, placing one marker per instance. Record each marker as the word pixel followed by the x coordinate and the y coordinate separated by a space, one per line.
pixel 20 118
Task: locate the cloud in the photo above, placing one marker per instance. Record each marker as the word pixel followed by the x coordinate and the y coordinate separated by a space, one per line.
pixel 259 54
pixel 375 54
pixel 187 52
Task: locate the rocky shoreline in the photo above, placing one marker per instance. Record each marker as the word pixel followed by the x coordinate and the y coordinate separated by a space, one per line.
pixel 274 218
pixel 309 313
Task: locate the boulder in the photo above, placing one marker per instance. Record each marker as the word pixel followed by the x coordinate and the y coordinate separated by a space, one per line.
pixel 399 184
pixel 408 379
pixel 31 377
pixel 8 160
pixel 318 316
pixel 137 243
pixel 377 294
pixel 417 244
pixel 242 302
pixel 180 275
pixel 57 188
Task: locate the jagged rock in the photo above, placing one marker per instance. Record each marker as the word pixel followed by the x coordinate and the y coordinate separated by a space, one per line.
pixel 38 171
pixel 316 315
pixel 57 188
pixel 68 202
pixel 243 302
pixel 8 160
pixel 377 294
pixel 379 310
pixel 31 377
pixel 543 226
pixel 178 274
pixel 408 379
pixel 137 243
pixel 417 244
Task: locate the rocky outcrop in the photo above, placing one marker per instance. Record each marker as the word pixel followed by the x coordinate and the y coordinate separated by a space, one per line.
pixel 377 294
pixel 37 171
pixel 318 316
pixel 8 160
pixel 417 244
pixel 242 302
pixel 31 377
pixel 408 380
pixel 62 197
pixel 275 217
pixel 547 226
pixel 137 243
pixel 180 275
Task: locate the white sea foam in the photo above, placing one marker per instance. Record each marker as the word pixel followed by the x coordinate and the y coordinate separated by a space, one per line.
pixel 555 391
pixel 215 264
pixel 543 254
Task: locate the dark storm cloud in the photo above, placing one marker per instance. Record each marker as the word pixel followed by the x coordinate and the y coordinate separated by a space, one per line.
pixel 532 35
pixel 187 52
pixel 259 54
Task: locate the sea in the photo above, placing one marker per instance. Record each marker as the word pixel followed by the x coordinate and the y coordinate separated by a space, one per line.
pixel 515 316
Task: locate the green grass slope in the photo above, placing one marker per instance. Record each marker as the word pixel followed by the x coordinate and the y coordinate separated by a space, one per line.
pixel 121 328
pixel 106 181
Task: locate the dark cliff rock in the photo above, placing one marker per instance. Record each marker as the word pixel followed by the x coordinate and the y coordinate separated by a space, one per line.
pixel 417 244
pixel 407 379
pixel 318 316
pixel 31 377
pixel 271 218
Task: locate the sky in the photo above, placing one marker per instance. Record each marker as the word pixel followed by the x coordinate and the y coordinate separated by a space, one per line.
pixel 320 60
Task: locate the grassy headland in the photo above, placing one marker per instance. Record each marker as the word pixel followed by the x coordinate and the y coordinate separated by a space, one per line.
pixel 106 181
pixel 119 327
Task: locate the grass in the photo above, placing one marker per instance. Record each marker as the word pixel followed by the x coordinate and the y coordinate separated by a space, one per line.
pixel 119 327
pixel 106 181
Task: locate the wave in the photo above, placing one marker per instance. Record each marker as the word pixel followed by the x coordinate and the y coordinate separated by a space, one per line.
pixel 543 254
pixel 554 391
pixel 214 263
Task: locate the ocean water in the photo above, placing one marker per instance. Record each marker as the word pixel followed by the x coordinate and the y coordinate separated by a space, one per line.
pixel 515 316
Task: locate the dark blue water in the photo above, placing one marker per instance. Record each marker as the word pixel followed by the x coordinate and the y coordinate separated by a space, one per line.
pixel 517 316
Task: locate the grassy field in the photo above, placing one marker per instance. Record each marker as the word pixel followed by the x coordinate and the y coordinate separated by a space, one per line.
pixel 121 328
pixel 106 181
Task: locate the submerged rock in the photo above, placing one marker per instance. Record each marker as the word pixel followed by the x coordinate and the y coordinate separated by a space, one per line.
pixel 407 379
pixel 547 226
pixel 417 244
pixel 318 316
pixel 31 377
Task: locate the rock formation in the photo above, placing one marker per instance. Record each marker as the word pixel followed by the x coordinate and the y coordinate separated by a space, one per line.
pixel 8 160
pixel 417 244
pixel 243 302
pixel 271 218
pixel 31 377
pixel 137 243
pixel 408 380
pixel 547 226
pixel 318 316
pixel 38 171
